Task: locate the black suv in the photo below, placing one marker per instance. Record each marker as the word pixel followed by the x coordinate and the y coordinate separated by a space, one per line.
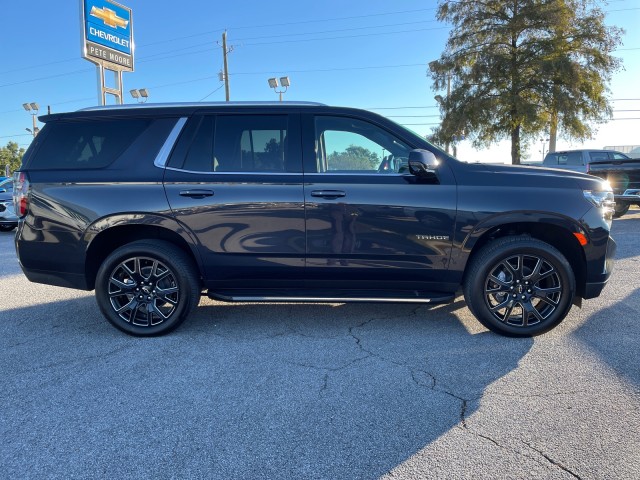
pixel 154 205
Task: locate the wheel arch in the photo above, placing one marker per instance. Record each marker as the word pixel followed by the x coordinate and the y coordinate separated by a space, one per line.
pixel 111 233
pixel 558 232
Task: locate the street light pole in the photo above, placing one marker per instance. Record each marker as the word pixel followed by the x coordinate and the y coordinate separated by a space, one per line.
pixel 284 81
pixel 32 108
pixel 141 95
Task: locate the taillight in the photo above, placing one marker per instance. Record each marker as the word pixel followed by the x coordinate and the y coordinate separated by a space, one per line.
pixel 21 193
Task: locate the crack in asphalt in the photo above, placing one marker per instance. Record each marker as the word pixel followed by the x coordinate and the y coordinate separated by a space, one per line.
pixel 552 461
pixel 433 385
pixel 428 380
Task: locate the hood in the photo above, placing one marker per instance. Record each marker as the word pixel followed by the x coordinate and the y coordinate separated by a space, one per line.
pixel 551 177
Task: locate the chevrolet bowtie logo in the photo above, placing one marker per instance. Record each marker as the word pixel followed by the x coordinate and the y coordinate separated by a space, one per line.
pixel 109 17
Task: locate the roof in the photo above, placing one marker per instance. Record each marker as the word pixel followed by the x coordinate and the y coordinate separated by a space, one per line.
pixel 175 109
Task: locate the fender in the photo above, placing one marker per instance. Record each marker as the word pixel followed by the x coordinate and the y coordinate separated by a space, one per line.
pixel 505 218
pixel 157 220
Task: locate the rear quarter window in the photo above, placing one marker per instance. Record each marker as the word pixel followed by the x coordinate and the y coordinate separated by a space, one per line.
pixel 551 159
pixel 86 144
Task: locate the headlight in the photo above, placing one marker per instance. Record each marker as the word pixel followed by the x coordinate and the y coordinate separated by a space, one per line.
pixel 604 201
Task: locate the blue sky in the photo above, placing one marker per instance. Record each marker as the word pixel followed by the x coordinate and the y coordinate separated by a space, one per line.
pixel 368 54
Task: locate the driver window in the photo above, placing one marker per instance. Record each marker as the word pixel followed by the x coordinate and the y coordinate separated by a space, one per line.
pixel 346 145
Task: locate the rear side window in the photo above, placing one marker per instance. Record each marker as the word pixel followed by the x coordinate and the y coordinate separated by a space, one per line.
pixel 598 156
pixel 569 158
pixel 551 159
pixel 619 156
pixel 86 144
pixel 236 143
pixel 248 143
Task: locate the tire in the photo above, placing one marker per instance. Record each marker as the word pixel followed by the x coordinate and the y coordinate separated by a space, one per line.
pixel 519 286
pixel 147 288
pixel 620 209
pixel 6 228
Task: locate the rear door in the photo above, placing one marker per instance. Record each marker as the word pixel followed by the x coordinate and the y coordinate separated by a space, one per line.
pixel 370 223
pixel 234 181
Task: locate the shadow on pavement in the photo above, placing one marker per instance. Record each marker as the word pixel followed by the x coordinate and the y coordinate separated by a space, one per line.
pixel 602 334
pixel 240 390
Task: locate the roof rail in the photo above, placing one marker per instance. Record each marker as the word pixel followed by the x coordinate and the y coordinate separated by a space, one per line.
pixel 203 104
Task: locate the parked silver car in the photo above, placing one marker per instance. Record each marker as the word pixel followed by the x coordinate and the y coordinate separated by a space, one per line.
pixel 8 219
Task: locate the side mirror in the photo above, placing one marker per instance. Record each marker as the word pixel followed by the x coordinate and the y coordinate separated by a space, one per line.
pixel 422 163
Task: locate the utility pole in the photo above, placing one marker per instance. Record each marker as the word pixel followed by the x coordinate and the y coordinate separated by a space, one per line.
pixel 226 65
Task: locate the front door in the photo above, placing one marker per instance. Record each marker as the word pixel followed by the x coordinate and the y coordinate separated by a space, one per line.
pixel 370 223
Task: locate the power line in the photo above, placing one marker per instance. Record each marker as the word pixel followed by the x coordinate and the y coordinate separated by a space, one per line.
pixel 45 78
pixel 171 40
pixel 212 92
pixel 209 32
pixel 376 34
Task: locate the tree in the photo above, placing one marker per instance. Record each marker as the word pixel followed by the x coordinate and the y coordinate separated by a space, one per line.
pixel 519 65
pixel 10 156
pixel 353 158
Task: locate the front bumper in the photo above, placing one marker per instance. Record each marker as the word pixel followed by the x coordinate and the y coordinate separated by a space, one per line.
pixel 594 288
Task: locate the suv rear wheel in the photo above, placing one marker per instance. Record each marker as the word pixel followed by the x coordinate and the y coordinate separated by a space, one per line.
pixel 519 286
pixel 147 288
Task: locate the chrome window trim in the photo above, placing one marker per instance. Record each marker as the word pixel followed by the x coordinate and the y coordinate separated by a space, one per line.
pixel 163 155
pixel 232 173
pixel 286 173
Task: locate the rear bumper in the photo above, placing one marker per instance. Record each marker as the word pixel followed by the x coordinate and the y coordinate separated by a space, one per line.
pixel 631 195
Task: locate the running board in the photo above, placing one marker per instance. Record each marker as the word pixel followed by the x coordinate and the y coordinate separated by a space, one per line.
pixel 372 297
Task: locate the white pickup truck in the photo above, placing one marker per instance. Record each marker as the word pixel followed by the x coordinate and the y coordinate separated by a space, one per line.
pixel 622 172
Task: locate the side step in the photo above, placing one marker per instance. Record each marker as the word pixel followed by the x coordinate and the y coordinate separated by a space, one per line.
pixel 333 296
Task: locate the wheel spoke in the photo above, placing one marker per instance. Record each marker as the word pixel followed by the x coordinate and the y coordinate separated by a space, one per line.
pixel 536 271
pixel 544 275
pixel 529 309
pixel 548 291
pixel 508 266
pixel 504 285
pixel 501 305
pixel 154 309
pixel 547 300
pixel 127 306
pixel 134 315
pixel 124 287
pixel 508 312
pixel 163 294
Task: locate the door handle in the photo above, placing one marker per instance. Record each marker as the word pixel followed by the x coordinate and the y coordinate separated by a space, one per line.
pixel 329 194
pixel 198 193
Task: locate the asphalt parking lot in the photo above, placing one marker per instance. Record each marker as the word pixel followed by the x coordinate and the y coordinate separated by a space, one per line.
pixel 251 391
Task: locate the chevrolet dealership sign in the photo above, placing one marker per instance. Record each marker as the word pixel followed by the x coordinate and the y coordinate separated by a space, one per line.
pixel 107 34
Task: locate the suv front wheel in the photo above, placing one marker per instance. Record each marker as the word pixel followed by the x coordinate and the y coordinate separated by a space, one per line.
pixel 147 288
pixel 519 286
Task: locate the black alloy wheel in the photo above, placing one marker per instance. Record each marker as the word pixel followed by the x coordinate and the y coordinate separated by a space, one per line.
pixel 522 290
pixel 147 288
pixel 519 286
